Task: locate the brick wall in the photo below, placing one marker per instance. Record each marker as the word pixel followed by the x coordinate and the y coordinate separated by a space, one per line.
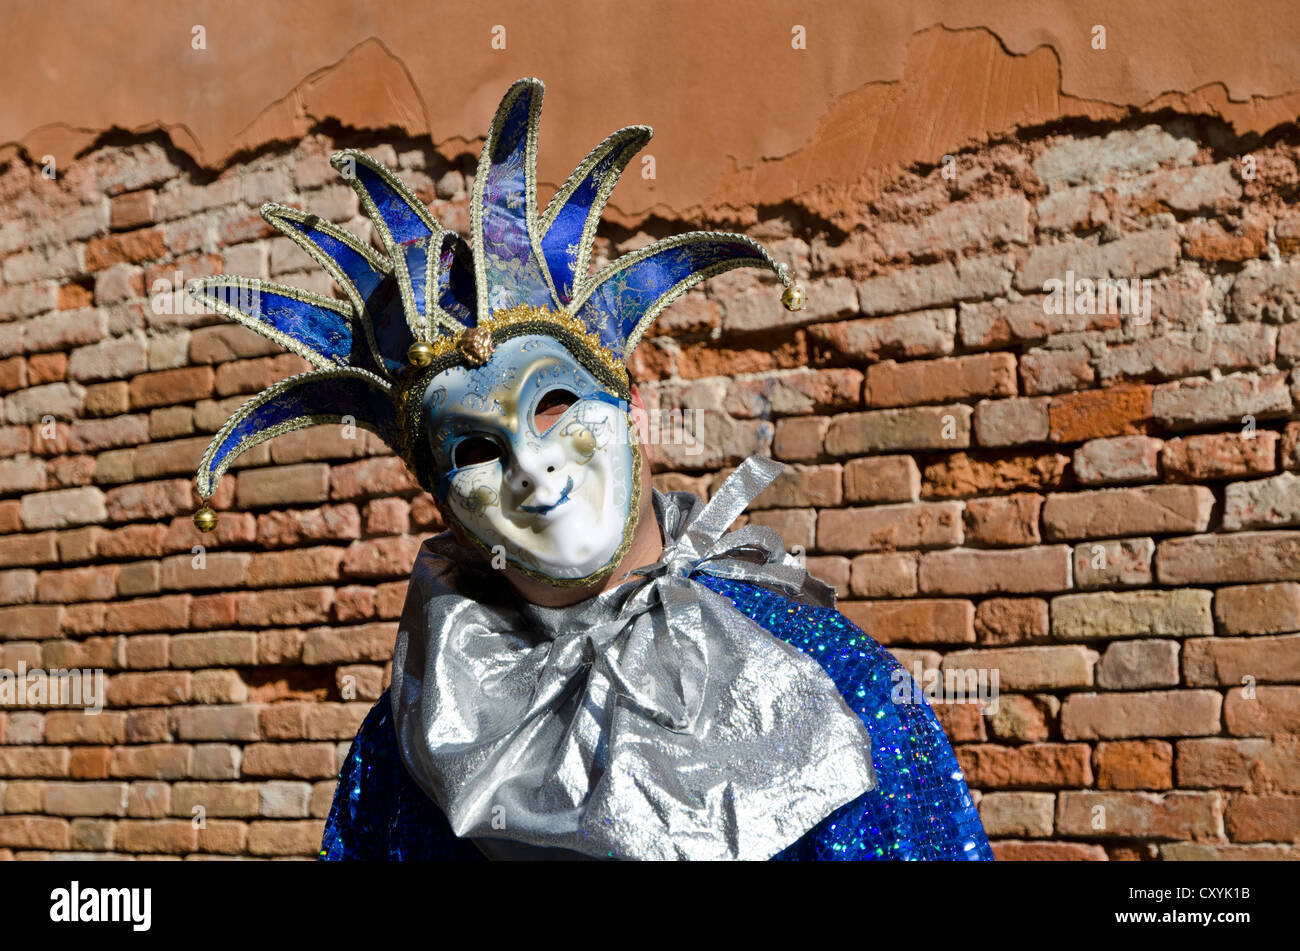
pixel 1103 507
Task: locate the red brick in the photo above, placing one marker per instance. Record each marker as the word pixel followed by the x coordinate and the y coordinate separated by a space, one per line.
pixel 974 571
pixel 877 479
pixel 799 438
pixel 131 210
pixel 1033 766
pixel 98 583
pixel 1011 620
pixel 1155 714
pixel 889 527
pixel 302 566
pixel 1269 818
pixel 163 688
pixel 1056 371
pixel 170 387
pixel 45 368
pixel 216 570
pixel 1012 851
pixel 1118 459
pixel 63 508
pixel 219 723
pixel 1258 609
pixel 1209 241
pixel 226 342
pixel 1136 511
pixel 74 297
pixel 147 652
pixel 170 613
pixel 961 474
pixel 283 837
pixel 224 838
pixel 162 761
pixel 1003 520
pixel 392 516
pixel 149 501
pixel 33 832
pixel 224 649
pixel 1220 456
pixel 1028 668
pixel 944 428
pixel 1140 815
pixel 250 376
pixel 26 550
pixel 883 576
pixel 1240 557
pixel 215 799
pixel 1135 764
pixel 325 523
pixel 86 799
pixel 289 760
pixel 939 381
pixel 157 836
pixel 349 645
pixel 1226 660
pixel 133 247
pixel 132 541
pixel 1254 765
pixel 385 476
pixel 284 608
pixel 1002 322
pixel 33 762
pixel 1266 711
pixel 1226 401
pixel 794 393
pixel 1137 664
pixel 917 621
pixel 1116 411
pixel 1130 257
pixel 283 485
pixel 1022 719
pixel 1011 422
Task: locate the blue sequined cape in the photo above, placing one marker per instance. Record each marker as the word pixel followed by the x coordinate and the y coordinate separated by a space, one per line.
pixel 920 808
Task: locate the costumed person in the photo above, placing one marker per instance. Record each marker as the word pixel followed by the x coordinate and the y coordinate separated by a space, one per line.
pixel 585 667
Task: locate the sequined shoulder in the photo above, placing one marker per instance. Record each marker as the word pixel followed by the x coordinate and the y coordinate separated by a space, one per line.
pixel 379 814
pixel 921 808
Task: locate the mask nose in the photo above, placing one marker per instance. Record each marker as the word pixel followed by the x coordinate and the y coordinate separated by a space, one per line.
pixel 535 474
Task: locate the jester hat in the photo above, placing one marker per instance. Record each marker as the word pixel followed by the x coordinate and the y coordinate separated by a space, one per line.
pixel 431 300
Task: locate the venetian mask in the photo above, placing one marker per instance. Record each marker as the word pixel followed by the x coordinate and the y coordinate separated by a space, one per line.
pixel 488 362
pixel 535 460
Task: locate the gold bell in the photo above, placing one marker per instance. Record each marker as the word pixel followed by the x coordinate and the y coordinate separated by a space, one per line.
pixel 794 298
pixel 420 354
pixel 205 520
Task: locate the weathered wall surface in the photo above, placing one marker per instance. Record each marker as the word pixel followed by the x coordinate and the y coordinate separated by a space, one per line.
pixel 1102 507
pixel 821 104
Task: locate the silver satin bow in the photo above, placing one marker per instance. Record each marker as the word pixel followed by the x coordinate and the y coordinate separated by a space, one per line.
pixel 651 721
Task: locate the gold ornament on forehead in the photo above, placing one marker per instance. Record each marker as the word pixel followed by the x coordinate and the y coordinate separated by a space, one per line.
pixel 475 346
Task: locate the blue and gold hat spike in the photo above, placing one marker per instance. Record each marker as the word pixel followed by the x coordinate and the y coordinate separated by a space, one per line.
pixel 431 293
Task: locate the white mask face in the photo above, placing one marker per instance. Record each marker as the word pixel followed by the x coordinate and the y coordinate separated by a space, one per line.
pixel 536 460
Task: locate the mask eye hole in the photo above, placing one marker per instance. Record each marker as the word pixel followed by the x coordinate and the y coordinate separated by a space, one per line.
pixel 474 451
pixel 551 407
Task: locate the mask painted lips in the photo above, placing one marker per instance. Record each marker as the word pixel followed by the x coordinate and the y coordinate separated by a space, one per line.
pixel 547 509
